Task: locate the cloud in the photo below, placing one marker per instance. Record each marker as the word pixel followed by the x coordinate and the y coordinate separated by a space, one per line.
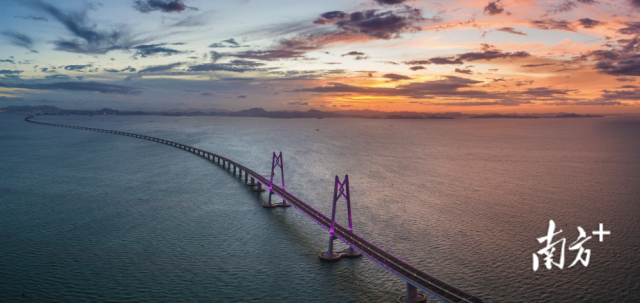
pixel 374 24
pixel 511 30
pixel 79 86
pixel 389 2
pixel 546 92
pixel 564 7
pixel 396 77
pixel 18 39
pixel 536 65
pixel 437 61
pixel 200 92
pixel 155 49
pixel 621 94
pixel 230 43
pixel 58 77
pixel 494 8
pixel 449 86
pixel 589 23
pixel 167 6
pixel 487 53
pixel 88 39
pixel 10 72
pixel 631 29
pixel 126 69
pixel 625 79
pixel 7 60
pixel 236 66
pixel 353 53
pixel 271 55
pixel 297 103
pixel 491 55
pixel 549 24
pixel 464 71
pixel 32 17
pixel 77 68
pixel 160 68
pixel 242 96
pixel 588 2
pixel 415 68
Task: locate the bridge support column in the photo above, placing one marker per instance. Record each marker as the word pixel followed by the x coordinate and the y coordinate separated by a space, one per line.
pixel 276 161
pixel 412 296
pixel 253 182
pixel 258 187
pixel 234 170
pixel 341 189
pixel 246 177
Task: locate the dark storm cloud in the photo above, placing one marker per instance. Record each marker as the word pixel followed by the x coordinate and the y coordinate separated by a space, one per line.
pixel 32 17
pixel 589 23
pixel 18 39
pixel 549 24
pixel 415 68
pixel 494 8
pixel 511 30
pixel 373 23
pixel 160 68
pixel 167 6
pixel 463 71
pixel 79 86
pixel 155 49
pixel 88 40
pixel 396 77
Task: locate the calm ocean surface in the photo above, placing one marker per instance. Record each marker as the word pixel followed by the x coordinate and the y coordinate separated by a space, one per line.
pixel 93 217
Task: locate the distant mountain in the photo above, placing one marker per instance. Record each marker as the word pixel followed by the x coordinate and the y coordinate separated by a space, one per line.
pixel 578 116
pixel 30 108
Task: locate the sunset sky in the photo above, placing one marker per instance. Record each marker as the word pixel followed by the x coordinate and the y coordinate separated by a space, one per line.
pixel 471 56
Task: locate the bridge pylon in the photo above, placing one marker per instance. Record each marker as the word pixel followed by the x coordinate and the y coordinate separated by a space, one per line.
pixel 341 189
pixel 276 161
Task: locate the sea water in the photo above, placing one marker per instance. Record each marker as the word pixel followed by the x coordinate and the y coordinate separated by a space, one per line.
pixel 96 217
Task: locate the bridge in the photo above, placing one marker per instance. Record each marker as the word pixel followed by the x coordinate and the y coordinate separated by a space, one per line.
pixel 415 278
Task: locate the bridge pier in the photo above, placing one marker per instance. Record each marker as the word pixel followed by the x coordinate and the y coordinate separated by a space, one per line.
pixel 329 255
pixel 412 296
pixel 258 187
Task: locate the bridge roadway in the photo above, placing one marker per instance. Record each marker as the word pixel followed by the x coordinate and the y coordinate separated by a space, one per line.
pixel 398 267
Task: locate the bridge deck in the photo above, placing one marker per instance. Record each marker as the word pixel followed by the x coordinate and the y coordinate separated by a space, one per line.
pixel 389 262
